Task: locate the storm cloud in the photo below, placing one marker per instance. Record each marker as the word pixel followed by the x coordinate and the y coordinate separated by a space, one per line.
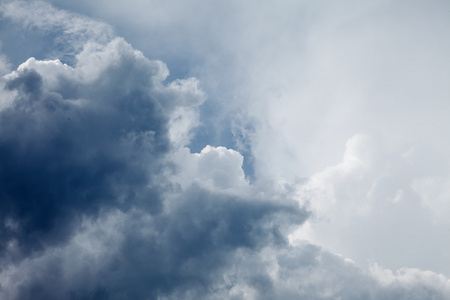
pixel 89 144
pixel 101 196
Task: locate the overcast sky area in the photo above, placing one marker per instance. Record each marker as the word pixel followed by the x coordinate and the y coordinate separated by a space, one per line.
pixel 224 149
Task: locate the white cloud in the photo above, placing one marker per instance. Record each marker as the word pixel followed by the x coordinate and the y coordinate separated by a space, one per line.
pixel 216 168
pixel 435 195
pixel 377 206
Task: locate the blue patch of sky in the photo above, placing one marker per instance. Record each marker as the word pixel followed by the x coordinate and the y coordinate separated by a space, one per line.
pixel 218 132
pixel 19 44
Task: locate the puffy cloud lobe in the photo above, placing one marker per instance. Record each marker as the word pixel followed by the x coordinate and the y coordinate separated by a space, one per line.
pixel 214 168
pixel 312 273
pixel 77 140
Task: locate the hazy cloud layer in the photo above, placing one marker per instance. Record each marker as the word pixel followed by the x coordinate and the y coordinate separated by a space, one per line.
pixel 64 33
pixel 101 197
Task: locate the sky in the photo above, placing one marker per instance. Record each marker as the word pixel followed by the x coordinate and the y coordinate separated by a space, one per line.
pixel 224 149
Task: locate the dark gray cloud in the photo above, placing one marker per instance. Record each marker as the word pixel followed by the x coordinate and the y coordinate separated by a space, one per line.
pixel 183 251
pixel 86 143
pixel 73 147
pixel 100 198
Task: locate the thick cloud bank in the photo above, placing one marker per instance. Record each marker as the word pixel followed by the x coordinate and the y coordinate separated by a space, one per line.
pixel 86 193
pixel 75 141
pixel 100 198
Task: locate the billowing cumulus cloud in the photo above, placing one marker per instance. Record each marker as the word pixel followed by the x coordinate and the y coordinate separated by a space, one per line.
pixel 103 198
pixel 86 146
pixel 77 140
